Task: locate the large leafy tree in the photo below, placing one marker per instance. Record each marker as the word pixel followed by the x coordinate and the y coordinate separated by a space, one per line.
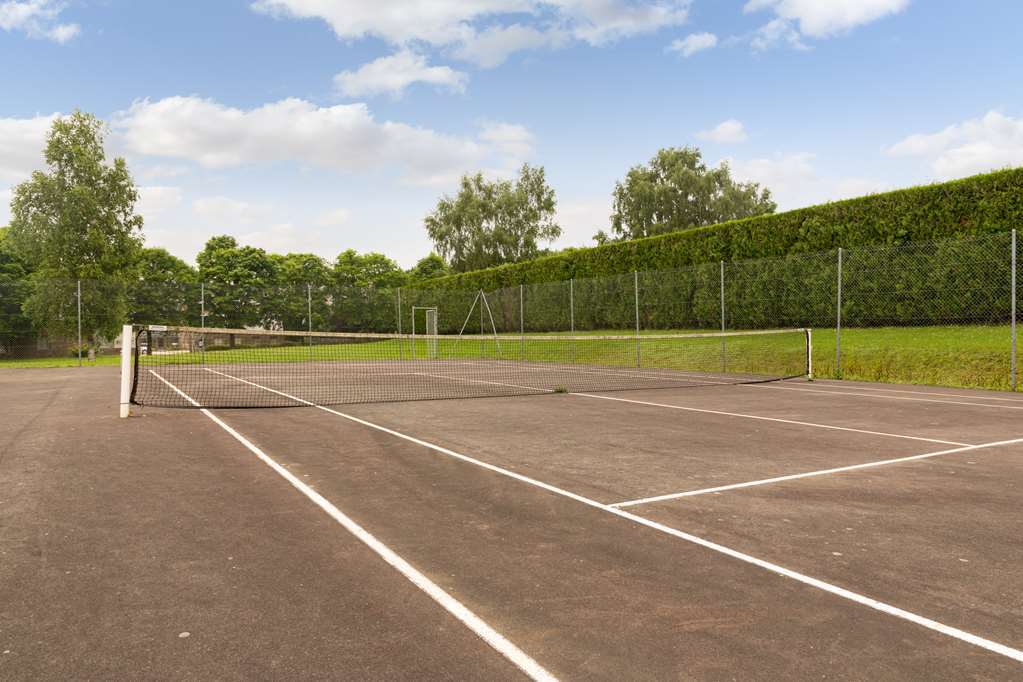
pixel 15 327
pixel 165 291
pixel 678 191
pixel 77 221
pixel 302 282
pixel 353 269
pixel 428 267
pixel 239 282
pixel 492 222
pixel 363 298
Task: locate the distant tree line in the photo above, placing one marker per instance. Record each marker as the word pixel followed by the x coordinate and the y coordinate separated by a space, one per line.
pixel 76 221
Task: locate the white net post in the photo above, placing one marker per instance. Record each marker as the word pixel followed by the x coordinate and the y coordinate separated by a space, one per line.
pixel 126 341
pixel 571 312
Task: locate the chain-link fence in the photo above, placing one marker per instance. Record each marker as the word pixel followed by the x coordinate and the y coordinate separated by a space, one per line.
pixel 941 312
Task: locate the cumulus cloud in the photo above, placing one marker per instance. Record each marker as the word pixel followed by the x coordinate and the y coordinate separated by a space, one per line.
pixel 795 19
pixel 334 218
pixel 37 19
pixel 345 137
pixel 795 181
pixel 693 43
pixel 980 144
pixel 726 132
pixel 21 146
pixel 393 73
pixel 485 31
pixel 230 212
pixel 154 200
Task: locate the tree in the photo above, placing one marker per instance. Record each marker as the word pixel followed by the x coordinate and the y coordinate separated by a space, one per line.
pixel 302 283
pixel 489 223
pixel 428 267
pixel 363 299
pixel 238 282
pixel 15 327
pixel 367 270
pixel 165 291
pixel 77 222
pixel 677 191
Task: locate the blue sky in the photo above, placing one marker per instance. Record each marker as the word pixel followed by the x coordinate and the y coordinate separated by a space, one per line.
pixel 322 125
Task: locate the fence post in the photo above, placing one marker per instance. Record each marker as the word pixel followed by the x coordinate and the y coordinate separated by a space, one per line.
pixel 202 322
pixel 79 323
pixel 571 313
pixel 482 325
pixel 724 352
pixel 401 342
pixel 309 307
pixel 635 286
pixel 522 324
pixel 838 320
pixel 1013 296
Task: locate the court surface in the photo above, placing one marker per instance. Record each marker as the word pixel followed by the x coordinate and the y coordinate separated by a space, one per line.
pixel 785 530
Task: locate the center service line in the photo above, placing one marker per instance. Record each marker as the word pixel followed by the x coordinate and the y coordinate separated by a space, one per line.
pixel 484 631
pixel 962 635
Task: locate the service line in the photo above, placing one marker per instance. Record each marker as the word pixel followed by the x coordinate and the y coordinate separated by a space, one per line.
pixel 476 624
pixel 809 474
pixel 869 602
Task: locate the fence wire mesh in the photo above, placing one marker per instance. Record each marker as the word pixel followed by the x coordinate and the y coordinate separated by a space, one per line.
pixel 937 312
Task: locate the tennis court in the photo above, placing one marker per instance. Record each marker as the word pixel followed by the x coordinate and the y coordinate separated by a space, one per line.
pixel 697 530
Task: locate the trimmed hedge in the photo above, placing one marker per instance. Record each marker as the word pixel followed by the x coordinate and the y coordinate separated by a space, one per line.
pixel 972 206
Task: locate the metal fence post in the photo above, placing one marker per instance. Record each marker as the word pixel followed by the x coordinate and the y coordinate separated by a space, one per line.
pixel 1013 298
pixel 522 324
pixel 571 313
pixel 79 323
pixel 202 322
pixel 838 320
pixel 635 286
pixel 724 350
pixel 309 307
pixel 401 342
pixel 481 325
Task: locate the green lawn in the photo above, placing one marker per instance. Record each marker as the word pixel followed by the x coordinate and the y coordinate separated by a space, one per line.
pixel 967 356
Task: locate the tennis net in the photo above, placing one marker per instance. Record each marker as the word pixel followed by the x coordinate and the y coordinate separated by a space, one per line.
pixel 240 368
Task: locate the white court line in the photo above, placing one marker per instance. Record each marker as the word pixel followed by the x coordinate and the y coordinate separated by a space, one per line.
pixel 822 472
pixel 769 419
pixel 488 634
pixel 835 383
pixel 869 602
pixel 885 397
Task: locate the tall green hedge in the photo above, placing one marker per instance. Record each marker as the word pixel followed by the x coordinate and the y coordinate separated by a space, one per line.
pixel 972 206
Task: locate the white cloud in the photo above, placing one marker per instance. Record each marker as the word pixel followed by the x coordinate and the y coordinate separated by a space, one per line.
pixel 493 45
pixel 693 43
pixel 510 139
pixel 286 238
pixel 154 200
pixel 581 218
pixel 22 141
pixel 37 19
pixel 980 144
pixel 344 137
pixel 392 74
pixel 823 18
pixel 726 132
pixel 334 218
pixel 485 31
pixel 795 182
pixel 229 213
pixel 796 19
